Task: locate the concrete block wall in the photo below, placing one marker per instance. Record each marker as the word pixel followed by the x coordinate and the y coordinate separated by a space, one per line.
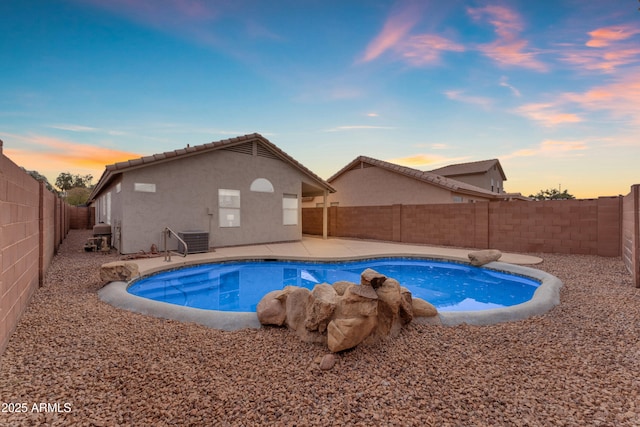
pixel 83 218
pixel 47 239
pixel 365 222
pixel 630 235
pixel 592 226
pixel 33 223
pixel 444 225
pixel 557 226
pixel 19 244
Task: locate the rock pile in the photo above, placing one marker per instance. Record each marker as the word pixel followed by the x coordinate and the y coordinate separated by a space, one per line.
pixel 344 314
pixel 118 271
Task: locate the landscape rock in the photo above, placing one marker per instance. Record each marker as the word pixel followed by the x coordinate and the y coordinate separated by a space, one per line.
pixel 422 308
pixel 271 309
pixel 485 256
pixel 116 271
pixel 577 365
pixel 320 308
pixel 341 315
pixel 346 333
pixel 327 362
pixel 389 301
pixel 372 277
pixel 406 306
pixel 341 286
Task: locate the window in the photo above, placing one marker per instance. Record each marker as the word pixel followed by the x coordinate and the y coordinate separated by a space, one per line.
pixel 144 188
pixel 457 199
pixel 290 209
pixel 261 185
pixel 229 208
pixel 108 219
pixel 118 187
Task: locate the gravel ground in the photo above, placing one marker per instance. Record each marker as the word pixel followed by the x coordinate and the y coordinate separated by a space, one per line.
pixel 577 365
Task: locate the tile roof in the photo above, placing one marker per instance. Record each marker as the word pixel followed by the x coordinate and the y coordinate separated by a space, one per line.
pixel 429 177
pixel 470 168
pixel 116 168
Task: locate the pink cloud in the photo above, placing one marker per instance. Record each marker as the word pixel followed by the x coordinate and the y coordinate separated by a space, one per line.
pixel 509 49
pixel 397 26
pixel 506 22
pixel 605 36
pixel 608 49
pixel 187 19
pixel 548 114
pixel 606 61
pixel 416 49
pixel 426 48
pixel 550 148
pixel 458 95
pixel 620 98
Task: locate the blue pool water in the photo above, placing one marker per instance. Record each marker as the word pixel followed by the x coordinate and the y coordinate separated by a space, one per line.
pixel 240 285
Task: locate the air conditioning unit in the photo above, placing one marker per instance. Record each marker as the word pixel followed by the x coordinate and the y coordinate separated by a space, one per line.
pixel 197 241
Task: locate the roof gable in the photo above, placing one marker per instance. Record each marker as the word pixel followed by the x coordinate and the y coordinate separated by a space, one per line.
pixel 470 168
pixel 427 177
pixel 242 144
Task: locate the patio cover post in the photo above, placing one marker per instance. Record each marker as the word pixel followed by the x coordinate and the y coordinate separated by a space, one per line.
pixel 325 212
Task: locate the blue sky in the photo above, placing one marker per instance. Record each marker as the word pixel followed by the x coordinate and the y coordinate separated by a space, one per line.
pixel 551 88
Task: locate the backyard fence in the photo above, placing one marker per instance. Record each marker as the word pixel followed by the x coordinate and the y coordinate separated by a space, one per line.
pixel 33 224
pixel 590 226
pixel 631 232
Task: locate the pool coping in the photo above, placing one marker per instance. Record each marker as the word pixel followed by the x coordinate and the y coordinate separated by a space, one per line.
pixel 546 296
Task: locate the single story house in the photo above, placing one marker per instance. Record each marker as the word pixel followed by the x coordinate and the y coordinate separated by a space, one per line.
pixel 237 191
pixel 487 174
pixel 371 182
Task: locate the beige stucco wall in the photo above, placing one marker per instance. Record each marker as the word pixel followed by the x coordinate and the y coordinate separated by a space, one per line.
pixel 483 180
pixel 374 186
pixel 114 216
pixel 186 199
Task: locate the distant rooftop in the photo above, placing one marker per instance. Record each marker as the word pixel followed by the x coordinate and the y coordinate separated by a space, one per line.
pixel 470 168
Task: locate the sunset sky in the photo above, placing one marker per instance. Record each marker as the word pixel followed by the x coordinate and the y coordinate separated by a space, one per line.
pixel 551 88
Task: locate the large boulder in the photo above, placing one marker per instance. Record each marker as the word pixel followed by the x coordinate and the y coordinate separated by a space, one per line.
pixel 372 278
pixel 406 306
pixel 345 314
pixel 271 309
pixel 346 333
pixel 118 271
pixel 483 257
pixel 422 308
pixel 320 308
pixel 389 301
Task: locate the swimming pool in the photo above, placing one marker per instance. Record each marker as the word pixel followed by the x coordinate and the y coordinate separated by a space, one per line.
pixel 238 286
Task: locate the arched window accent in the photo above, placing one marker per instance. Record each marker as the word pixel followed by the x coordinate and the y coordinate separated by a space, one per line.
pixel 261 185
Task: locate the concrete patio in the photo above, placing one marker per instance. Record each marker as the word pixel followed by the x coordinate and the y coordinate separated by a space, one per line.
pixel 323 249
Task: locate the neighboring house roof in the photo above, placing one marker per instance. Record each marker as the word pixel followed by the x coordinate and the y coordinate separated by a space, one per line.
pixel 428 177
pixel 470 168
pixel 114 170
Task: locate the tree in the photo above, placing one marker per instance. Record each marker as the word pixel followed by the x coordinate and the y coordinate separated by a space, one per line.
pixel 552 194
pixel 65 181
pixel 39 177
pixel 77 196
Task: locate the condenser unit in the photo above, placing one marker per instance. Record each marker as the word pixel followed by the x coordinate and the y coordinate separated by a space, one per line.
pixel 197 241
